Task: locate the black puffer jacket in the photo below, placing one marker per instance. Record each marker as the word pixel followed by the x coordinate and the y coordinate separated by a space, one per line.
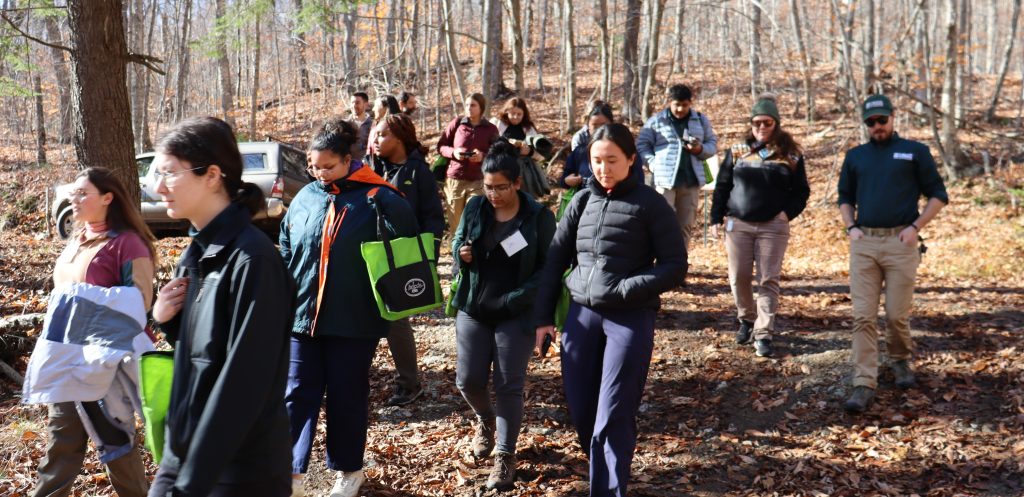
pixel 627 249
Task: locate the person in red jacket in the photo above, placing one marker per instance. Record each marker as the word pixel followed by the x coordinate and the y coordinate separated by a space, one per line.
pixel 465 142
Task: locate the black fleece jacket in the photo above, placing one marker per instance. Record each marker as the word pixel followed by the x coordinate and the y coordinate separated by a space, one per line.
pixel 756 191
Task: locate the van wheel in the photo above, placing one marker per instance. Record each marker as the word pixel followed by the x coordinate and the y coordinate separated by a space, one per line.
pixel 65 223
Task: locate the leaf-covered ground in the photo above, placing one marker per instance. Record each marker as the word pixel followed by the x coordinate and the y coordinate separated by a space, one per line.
pixel 715 419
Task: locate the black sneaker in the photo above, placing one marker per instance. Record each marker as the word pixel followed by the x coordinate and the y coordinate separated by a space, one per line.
pixel 403 396
pixel 903 374
pixel 743 334
pixel 763 347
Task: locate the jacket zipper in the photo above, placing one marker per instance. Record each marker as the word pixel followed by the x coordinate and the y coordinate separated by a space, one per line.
pixel 597 239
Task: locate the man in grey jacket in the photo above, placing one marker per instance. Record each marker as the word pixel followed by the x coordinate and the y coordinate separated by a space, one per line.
pixel 674 144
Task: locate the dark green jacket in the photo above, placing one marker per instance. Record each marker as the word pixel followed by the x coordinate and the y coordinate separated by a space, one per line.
pixel 536 223
pixel 347 308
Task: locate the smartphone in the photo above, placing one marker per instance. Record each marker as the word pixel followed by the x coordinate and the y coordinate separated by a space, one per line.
pixel 545 345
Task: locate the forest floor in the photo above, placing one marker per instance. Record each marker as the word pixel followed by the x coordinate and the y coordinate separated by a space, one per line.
pixel 715 419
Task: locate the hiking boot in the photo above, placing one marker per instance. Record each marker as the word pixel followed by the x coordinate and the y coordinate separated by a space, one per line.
pixel 483 440
pixel 743 334
pixel 904 375
pixel 402 396
pixel 859 399
pixel 763 347
pixel 348 484
pixel 297 489
pixel 503 474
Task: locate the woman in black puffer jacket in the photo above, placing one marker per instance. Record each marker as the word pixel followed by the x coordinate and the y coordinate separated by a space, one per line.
pixel 627 249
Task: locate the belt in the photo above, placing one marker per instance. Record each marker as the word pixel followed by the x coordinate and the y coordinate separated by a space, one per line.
pixel 883 231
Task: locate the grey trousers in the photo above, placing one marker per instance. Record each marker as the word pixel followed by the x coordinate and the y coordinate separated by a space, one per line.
pixel 402 343
pixel 761 246
pixel 65 453
pixel 508 347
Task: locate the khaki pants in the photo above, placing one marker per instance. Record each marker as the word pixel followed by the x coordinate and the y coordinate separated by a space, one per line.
pixel 457 192
pixel 761 246
pixel 65 453
pixel 684 200
pixel 874 260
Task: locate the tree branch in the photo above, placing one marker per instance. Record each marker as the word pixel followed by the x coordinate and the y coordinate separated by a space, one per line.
pixel 148 61
pixel 30 37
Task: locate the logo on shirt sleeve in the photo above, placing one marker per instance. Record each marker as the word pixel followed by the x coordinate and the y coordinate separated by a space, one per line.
pixel 902 156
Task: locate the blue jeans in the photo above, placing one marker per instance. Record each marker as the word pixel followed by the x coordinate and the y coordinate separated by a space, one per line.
pixel 605 358
pixel 341 367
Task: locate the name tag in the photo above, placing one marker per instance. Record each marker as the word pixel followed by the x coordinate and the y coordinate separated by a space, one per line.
pixel 514 243
pixel 901 156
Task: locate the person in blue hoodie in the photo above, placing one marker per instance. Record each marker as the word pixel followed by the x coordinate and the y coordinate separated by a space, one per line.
pixel 337 325
pixel 399 160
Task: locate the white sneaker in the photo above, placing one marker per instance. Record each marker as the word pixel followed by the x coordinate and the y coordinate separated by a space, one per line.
pixel 348 484
pixel 297 488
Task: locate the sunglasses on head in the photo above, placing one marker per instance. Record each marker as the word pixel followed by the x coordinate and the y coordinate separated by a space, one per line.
pixel 872 121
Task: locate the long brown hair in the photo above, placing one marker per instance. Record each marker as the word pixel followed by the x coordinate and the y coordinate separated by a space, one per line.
pixel 513 103
pixel 783 142
pixel 120 215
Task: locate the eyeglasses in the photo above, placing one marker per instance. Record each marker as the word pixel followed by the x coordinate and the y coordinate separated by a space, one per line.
pixel 497 188
pixel 762 123
pixel 166 176
pixel 317 171
pixel 872 121
pixel 80 195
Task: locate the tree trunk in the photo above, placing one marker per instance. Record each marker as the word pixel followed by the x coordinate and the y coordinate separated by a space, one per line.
pixel 349 43
pixel 60 70
pixel 540 46
pixel 794 14
pixel 298 42
pixel 255 89
pixel 993 22
pixel 677 48
pixel 868 52
pixel 604 45
pixel 137 32
pixel 518 65
pixel 491 70
pixel 1004 67
pixel 40 121
pixel 631 100
pixel 653 37
pixel 569 51
pixel 227 95
pixel 952 154
pixel 755 51
pixel 99 93
pixel 449 43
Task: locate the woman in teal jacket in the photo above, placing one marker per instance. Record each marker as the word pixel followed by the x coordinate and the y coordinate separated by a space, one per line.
pixel 337 325
pixel 499 248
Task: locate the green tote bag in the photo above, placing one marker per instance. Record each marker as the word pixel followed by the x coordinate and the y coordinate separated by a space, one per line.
pixel 156 373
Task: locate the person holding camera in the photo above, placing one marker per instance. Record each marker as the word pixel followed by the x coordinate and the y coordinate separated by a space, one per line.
pixel 880 184
pixel 577 165
pixel 500 247
pixel 624 249
pixel 761 187
pixel 464 142
pixel 514 124
pixel 674 144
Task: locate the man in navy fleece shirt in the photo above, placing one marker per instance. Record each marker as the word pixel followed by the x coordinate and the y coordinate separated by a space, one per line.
pixel 879 187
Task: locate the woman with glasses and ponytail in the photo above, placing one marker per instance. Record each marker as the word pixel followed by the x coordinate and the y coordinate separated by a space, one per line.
pixel 336 324
pixel 761 187
pixel 227 312
pixel 499 248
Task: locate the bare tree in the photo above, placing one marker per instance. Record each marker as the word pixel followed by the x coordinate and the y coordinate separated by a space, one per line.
pixel 298 43
pixel 953 158
pixel 1004 67
pixel 677 46
pixel 99 93
pixel 184 54
pixel 651 64
pixel 449 43
pixel 569 54
pixel 515 13
pixel 227 95
pixel 604 45
pixel 631 100
pixel 755 50
pixel 37 86
pixel 63 79
pixel 542 44
pixel 491 69
pixel 794 14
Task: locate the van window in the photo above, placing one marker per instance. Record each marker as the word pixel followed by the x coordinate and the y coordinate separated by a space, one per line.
pixel 254 162
pixel 294 162
pixel 143 164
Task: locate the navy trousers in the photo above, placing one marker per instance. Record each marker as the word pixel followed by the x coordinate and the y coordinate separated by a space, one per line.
pixel 605 358
pixel 341 367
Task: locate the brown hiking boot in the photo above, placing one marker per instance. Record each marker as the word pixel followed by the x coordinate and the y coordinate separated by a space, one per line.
pixel 503 474
pixel 904 375
pixel 483 440
pixel 859 399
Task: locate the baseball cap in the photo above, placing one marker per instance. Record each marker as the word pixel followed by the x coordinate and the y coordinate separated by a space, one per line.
pixel 876 105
